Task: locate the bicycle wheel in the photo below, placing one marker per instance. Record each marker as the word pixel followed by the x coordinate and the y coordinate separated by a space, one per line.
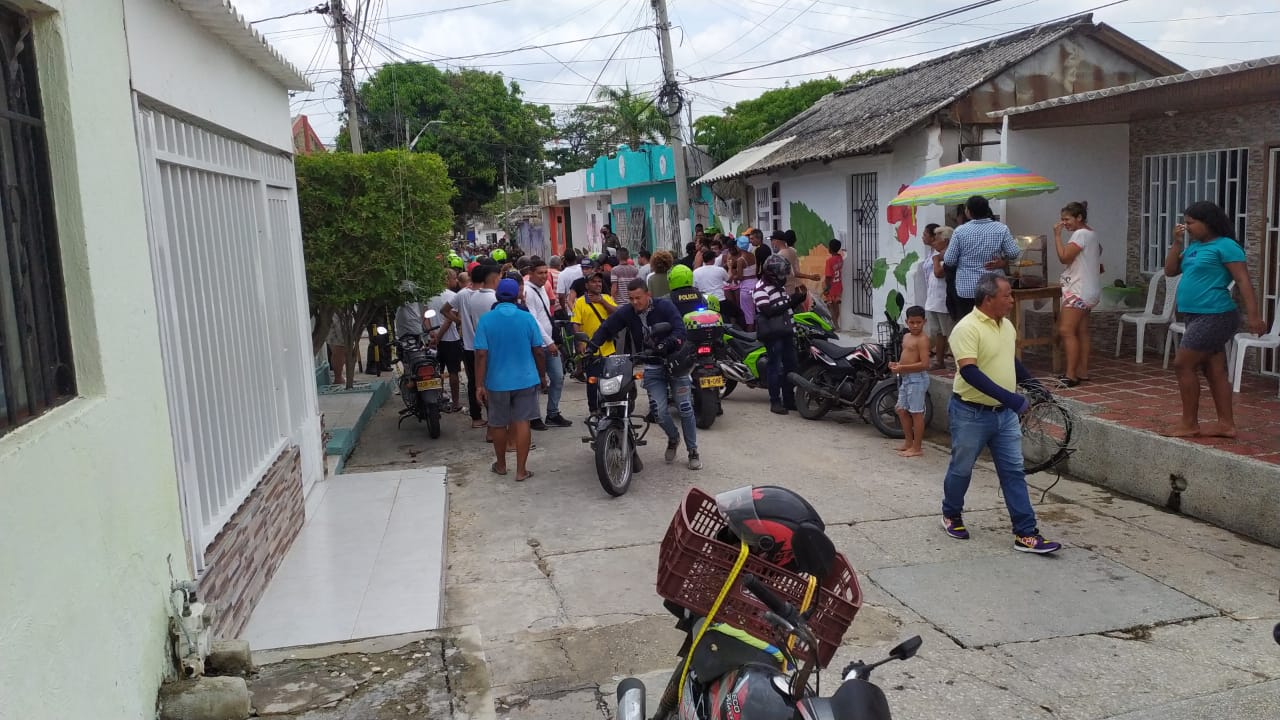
pixel 1046 435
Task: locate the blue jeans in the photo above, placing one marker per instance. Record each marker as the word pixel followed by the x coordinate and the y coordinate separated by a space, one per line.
pixel 656 382
pixel 555 385
pixel 972 430
pixel 781 353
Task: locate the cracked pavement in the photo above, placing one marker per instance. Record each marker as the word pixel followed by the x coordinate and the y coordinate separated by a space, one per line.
pixel 1144 614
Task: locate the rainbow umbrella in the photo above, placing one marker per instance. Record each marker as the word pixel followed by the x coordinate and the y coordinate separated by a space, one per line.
pixel 953 184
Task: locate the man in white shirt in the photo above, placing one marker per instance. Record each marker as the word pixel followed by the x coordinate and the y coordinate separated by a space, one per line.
pixel 484 278
pixel 535 298
pixel 446 336
pixel 571 272
pixel 709 278
pixel 642 264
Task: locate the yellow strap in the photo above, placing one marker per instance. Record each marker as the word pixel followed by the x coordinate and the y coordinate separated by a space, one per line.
pixel 715 607
pixel 809 592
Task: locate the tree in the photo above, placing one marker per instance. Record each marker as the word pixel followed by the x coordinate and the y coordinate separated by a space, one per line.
pixel 370 222
pixel 475 120
pixel 749 120
pixel 581 135
pixel 633 117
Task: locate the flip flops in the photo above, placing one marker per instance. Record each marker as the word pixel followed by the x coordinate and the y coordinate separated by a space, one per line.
pixel 493 468
pixel 526 476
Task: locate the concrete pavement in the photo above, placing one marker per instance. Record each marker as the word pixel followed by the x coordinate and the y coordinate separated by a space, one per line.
pixel 1144 614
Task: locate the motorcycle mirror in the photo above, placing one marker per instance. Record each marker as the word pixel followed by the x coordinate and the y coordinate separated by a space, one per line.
pixel 661 328
pixel 382 330
pixel 907 649
pixel 429 314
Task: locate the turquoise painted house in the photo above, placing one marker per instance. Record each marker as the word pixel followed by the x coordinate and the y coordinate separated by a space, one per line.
pixel 642 196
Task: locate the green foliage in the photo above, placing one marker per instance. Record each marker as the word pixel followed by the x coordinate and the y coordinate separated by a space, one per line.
pixel 893 304
pixel 749 120
pixel 811 230
pixel 582 134
pixel 370 222
pixel 904 266
pixel 879 272
pixel 478 120
pixel 633 118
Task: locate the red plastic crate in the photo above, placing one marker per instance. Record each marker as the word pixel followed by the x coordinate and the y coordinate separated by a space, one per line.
pixel 693 565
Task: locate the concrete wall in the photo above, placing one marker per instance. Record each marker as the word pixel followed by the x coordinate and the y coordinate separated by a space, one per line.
pixel 1089 164
pixel 89 518
pixel 177 62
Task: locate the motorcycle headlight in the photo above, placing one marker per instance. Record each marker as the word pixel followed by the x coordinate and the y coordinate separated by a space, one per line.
pixel 611 386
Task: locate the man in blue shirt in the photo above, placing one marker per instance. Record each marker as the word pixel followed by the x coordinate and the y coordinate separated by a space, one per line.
pixel 977 247
pixel 510 369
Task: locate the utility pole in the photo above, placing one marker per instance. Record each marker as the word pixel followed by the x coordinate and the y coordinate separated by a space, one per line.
pixel 671 88
pixel 339 17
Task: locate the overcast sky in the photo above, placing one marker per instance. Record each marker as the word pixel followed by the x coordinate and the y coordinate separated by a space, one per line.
pixel 715 36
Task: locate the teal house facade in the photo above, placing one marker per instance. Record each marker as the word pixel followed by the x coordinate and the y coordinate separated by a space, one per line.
pixel 642 196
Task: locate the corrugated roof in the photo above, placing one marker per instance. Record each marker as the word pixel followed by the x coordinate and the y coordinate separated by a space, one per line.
pixel 1166 80
pixel 863 118
pixel 742 161
pixel 222 19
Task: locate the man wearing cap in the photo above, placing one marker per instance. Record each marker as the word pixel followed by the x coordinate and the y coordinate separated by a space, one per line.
pixel 578 288
pixel 510 368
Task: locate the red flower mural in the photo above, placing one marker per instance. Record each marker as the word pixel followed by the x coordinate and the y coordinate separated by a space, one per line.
pixel 904 218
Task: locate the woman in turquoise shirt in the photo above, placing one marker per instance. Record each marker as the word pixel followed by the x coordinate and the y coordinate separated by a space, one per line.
pixel 1208 264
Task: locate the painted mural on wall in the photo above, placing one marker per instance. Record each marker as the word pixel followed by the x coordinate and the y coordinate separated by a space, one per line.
pixel 812 235
pixel 903 220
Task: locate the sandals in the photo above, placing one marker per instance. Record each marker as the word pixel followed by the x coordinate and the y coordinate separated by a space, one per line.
pixel 526 476
pixel 493 468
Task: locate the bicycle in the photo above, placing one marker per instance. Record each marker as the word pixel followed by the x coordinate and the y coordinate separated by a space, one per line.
pixel 1048 430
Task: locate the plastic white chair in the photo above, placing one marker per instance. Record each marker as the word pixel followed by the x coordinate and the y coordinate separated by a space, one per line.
pixel 1179 328
pixel 1243 341
pixel 1148 316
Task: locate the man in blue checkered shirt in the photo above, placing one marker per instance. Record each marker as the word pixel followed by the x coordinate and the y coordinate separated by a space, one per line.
pixel 981 245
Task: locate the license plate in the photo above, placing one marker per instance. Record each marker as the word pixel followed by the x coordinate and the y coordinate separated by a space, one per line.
pixel 711 381
pixel 430 384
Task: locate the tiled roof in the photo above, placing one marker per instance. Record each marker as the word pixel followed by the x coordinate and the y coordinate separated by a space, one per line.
pixel 222 19
pixel 864 117
pixel 1185 77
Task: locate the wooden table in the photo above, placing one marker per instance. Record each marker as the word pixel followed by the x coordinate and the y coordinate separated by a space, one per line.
pixel 1050 292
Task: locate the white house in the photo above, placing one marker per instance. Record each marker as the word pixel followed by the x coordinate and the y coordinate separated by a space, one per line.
pixel 158 421
pixel 588 209
pixel 831 171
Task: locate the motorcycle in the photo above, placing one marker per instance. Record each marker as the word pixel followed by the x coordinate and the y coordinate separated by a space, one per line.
pixel 704 336
pixel 743 358
pixel 421 381
pixel 613 435
pixel 854 377
pixel 765 650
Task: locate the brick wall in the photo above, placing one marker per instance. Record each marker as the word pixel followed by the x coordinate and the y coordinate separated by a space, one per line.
pixel 247 552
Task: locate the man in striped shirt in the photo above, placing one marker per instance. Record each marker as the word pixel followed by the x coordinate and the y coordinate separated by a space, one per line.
pixel 979 246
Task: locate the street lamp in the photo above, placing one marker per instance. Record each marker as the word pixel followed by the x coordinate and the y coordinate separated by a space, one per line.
pixel 414 141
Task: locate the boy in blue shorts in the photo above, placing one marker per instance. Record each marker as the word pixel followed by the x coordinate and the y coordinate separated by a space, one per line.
pixel 913 381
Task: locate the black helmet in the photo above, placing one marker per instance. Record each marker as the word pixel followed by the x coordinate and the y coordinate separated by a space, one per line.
pixel 776 269
pixel 779 526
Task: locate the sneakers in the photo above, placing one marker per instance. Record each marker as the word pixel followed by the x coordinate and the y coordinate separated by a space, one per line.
pixel 695 462
pixel 955 527
pixel 537 424
pixel 777 409
pixel 1035 544
pixel 672 446
pixel 558 420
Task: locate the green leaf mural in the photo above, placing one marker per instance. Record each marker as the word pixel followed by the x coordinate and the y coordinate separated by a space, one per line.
pixel 905 266
pixel 811 230
pixel 879 272
pixel 893 304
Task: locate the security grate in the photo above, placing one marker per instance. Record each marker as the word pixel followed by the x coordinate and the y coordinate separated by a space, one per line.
pixel 1172 182
pixel 866 227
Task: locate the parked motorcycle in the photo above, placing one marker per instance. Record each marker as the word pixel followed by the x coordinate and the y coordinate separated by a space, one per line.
pixel 743 358
pixel 613 434
pixel 754 658
pixel 857 378
pixel 421 381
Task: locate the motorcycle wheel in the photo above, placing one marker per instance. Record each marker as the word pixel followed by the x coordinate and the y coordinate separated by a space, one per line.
pixel 613 466
pixel 729 385
pixel 706 407
pixel 408 391
pixel 883 407
pixel 812 407
pixel 433 422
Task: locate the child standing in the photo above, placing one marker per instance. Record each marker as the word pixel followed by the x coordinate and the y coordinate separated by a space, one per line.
pixel 913 381
pixel 833 281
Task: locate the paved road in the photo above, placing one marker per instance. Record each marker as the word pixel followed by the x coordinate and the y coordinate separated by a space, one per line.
pixel 1143 615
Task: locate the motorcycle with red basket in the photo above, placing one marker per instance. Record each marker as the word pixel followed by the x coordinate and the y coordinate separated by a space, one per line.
pixel 764 599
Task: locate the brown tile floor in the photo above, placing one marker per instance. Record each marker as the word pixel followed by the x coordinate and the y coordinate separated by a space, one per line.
pixel 1145 397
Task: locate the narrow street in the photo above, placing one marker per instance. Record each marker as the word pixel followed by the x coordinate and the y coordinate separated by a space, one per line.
pixel 1143 615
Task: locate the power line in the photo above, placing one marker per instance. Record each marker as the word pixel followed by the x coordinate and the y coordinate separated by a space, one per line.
pixel 318 9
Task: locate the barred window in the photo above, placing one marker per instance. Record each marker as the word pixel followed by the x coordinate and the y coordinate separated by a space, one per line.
pixel 35 349
pixel 1172 182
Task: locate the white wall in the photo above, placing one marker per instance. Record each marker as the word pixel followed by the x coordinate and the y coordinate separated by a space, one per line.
pixel 1089 163
pixel 177 62
pixel 89 518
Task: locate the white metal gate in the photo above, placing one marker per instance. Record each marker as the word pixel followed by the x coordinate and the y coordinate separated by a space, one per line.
pixel 1271 257
pixel 230 292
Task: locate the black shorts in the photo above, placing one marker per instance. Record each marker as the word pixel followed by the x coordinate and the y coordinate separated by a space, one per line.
pixel 450 354
pixel 1209 333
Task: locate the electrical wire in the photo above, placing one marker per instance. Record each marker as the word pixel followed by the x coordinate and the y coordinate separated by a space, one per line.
pixel 322 8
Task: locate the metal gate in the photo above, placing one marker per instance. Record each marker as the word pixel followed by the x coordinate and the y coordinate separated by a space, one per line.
pixel 866 225
pixel 1271 257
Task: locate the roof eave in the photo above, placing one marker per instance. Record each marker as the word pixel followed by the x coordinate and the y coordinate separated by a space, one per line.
pixel 222 19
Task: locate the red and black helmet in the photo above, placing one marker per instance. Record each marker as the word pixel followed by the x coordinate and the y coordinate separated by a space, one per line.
pixel 779 526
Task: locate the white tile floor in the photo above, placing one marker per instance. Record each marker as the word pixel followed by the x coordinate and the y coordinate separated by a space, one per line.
pixel 369 561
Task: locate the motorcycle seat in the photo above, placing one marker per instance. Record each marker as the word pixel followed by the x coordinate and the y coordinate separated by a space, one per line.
pixel 831 349
pixel 737 334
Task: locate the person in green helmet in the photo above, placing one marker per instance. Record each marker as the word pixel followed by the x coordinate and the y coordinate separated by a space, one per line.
pixel 686 297
pixel 456 262
pixel 499 255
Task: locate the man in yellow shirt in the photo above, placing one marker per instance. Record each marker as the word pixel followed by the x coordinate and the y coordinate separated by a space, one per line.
pixel 589 312
pixel 984 412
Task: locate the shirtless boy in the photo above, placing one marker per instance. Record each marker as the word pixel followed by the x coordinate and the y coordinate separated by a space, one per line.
pixel 913 382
